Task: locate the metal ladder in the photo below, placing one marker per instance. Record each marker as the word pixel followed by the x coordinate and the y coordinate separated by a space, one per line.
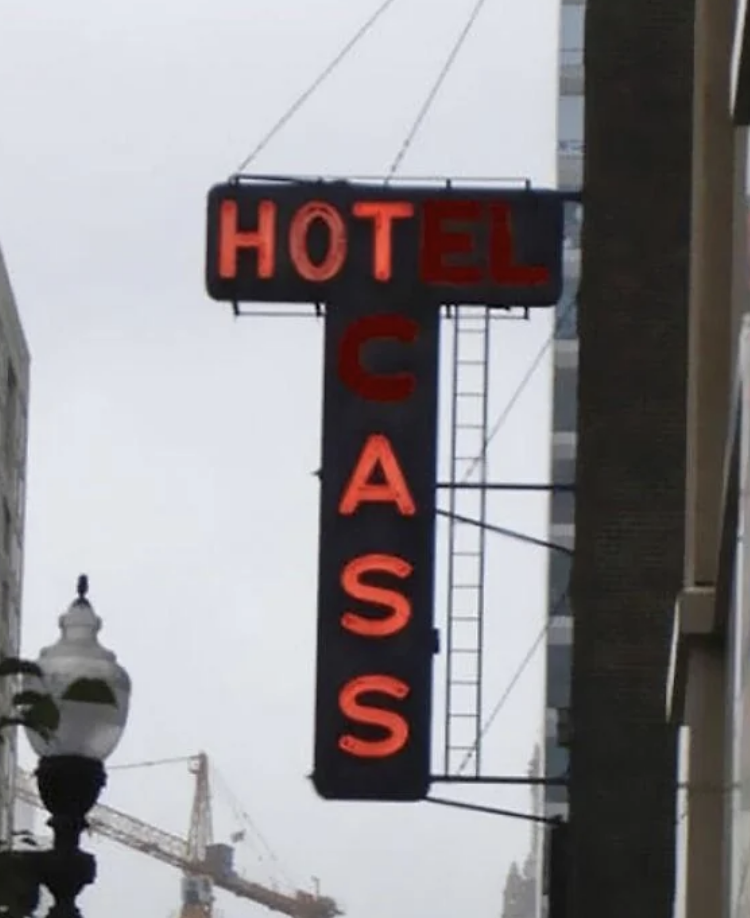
pixel 466 542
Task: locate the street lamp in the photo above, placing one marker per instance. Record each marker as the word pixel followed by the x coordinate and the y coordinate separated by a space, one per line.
pixel 92 694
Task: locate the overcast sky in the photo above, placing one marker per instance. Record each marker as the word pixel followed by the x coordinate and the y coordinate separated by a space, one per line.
pixel 170 459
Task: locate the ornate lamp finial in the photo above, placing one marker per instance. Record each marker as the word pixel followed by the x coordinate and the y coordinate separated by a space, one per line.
pixel 83 586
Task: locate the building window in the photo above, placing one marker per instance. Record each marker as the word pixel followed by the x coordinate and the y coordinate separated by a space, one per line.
pixel 571 28
pixel 563 727
pixel 556 760
pixel 556 766
pixel 558 675
pixel 565 399
pixel 566 318
pixel 564 444
pixel 559 605
pixel 16 556
pixel 564 470
pixel 563 507
pixel 20 495
pixel 560 630
pixel 559 574
pixel 11 413
pixel 573 222
pixel 570 115
pixel 7 529
pixel 563 535
pixel 566 355
pixel 6 626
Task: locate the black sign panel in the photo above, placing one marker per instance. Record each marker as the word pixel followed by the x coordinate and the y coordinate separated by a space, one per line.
pixel 377 543
pixel 311 241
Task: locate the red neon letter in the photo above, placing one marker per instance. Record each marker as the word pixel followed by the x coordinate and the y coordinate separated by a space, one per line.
pixel 438 242
pixel 399 607
pixel 382 214
pixel 377 451
pixel 298 231
pixel 501 254
pixel 376 387
pixel 231 239
pixel 397 727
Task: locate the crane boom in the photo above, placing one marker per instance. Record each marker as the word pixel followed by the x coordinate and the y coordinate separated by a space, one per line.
pixel 111 823
pixel 173 850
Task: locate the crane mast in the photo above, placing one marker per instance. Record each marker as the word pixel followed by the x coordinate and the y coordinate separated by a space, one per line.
pixel 204 865
pixel 197 889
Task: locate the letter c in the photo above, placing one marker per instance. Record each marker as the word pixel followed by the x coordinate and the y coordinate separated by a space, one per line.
pixel 376 387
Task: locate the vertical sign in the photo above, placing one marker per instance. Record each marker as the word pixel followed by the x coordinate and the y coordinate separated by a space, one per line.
pixel 382 259
pixel 376 637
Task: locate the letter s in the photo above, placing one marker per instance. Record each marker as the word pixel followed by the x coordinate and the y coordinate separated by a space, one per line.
pixel 395 725
pixel 398 606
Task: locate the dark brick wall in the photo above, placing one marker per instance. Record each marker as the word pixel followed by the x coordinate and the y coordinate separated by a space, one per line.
pixel 631 453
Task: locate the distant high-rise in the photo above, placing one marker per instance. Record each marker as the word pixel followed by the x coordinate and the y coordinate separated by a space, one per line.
pixel 564 411
pixel 14 399
pixel 521 897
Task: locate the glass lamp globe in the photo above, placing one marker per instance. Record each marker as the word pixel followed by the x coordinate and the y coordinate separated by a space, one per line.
pixel 87 728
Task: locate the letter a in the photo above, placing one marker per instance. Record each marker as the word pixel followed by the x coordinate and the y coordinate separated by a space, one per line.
pixel 377 452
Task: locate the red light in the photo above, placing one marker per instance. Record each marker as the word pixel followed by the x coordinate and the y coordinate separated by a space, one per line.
pixel 337 243
pixel 233 240
pixel 396 726
pixel 398 605
pixel 377 453
pixel 375 386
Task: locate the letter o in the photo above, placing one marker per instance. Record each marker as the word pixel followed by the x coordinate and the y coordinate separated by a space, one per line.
pixel 298 232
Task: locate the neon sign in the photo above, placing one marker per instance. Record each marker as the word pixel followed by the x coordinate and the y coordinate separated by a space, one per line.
pixel 376 636
pixel 383 260
pixel 308 241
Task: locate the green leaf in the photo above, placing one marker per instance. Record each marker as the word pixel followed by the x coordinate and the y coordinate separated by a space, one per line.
pixel 26 698
pixel 13 666
pixel 90 691
pixel 26 837
pixel 27 722
pixel 43 715
pixel 19 885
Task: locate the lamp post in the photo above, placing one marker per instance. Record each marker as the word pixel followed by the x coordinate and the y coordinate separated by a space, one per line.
pixel 92 694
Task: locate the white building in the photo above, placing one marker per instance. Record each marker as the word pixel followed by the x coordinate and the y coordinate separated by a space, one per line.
pixel 14 397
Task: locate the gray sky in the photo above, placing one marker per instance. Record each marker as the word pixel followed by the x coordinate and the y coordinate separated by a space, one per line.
pixel 167 457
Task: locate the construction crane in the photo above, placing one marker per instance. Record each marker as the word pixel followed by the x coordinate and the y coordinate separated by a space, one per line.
pixel 204 865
